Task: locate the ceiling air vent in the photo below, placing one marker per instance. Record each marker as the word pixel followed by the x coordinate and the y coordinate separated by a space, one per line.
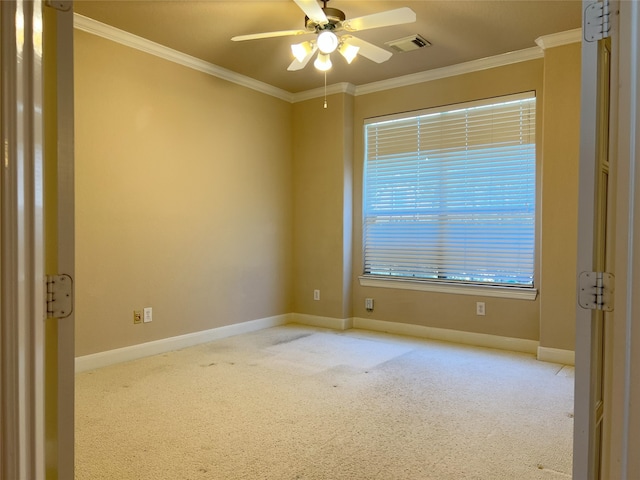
pixel 406 44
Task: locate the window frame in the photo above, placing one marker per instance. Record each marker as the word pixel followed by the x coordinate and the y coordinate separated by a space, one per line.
pixel 502 290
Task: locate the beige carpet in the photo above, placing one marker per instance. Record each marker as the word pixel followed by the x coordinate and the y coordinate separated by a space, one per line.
pixel 298 402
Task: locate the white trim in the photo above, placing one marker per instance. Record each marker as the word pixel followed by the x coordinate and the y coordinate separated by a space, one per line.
pixel 525 55
pixel 133 352
pixel 556 355
pixel 324 322
pixel 100 29
pixel 344 87
pixel 454 336
pixel 65 240
pixel 22 312
pixel 128 39
pixel 559 39
pixel 518 293
pixel 529 95
pixel 586 449
pixel 623 441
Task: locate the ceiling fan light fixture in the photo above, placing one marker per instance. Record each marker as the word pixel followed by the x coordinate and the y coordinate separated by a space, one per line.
pixel 348 51
pixel 327 41
pixel 322 62
pixel 301 50
pixel 324 22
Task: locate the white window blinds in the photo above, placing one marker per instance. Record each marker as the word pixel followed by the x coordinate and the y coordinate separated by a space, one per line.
pixel 449 194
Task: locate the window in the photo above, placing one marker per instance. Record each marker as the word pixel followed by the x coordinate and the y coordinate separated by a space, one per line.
pixel 449 194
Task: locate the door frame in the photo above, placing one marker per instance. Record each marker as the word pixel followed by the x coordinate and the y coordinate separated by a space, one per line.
pixel 622 387
pixel 623 432
pixel 30 448
pixel 589 359
pixel 22 295
pixel 65 239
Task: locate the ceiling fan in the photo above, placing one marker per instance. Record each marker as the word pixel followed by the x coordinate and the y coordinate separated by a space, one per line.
pixel 328 24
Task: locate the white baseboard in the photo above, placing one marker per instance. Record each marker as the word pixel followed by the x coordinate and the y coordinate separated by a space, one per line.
pixel 119 355
pixel 324 322
pixel 557 355
pixel 454 336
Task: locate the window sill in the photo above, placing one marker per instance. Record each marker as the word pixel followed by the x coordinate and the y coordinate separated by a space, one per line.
pixel 519 293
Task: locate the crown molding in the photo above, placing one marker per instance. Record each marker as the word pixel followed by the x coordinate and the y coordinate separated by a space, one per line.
pixel 532 53
pixel 343 87
pixel 100 29
pixel 559 39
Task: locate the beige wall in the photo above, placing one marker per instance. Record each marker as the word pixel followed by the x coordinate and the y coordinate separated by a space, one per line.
pixel 504 317
pixel 560 152
pixel 320 189
pixel 322 144
pixel 183 199
pixel 215 204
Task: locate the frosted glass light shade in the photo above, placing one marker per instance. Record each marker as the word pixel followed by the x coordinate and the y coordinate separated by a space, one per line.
pixel 327 42
pixel 349 52
pixel 301 50
pixel 323 62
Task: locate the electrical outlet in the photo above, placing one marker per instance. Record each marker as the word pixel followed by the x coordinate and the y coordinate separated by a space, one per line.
pixel 316 294
pixel 148 314
pixel 368 304
pixel 137 316
pixel 480 308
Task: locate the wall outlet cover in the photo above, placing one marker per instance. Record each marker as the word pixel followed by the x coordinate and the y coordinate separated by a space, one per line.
pixel 368 303
pixel 148 314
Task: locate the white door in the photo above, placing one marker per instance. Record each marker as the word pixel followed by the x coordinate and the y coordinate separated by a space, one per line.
pixel 593 228
pixel 622 415
pixel 22 309
pixel 36 203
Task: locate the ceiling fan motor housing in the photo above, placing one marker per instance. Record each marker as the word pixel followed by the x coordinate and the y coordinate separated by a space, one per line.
pixel 334 16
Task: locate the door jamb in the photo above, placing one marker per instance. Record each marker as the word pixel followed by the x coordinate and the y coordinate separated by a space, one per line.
pixel 22 301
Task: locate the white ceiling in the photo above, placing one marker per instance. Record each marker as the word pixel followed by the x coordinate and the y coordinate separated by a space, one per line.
pixel 459 31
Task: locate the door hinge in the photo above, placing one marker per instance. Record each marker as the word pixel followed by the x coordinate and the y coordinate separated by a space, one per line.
pixel 59 296
pixel 595 291
pixel 596 21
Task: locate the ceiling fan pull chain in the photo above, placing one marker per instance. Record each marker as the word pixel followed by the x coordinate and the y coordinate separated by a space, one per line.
pixel 325 89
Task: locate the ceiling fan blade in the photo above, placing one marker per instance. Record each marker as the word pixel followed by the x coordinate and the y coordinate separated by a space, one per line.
pixel 370 51
pixel 382 19
pixel 299 65
pixel 312 9
pixel 282 33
